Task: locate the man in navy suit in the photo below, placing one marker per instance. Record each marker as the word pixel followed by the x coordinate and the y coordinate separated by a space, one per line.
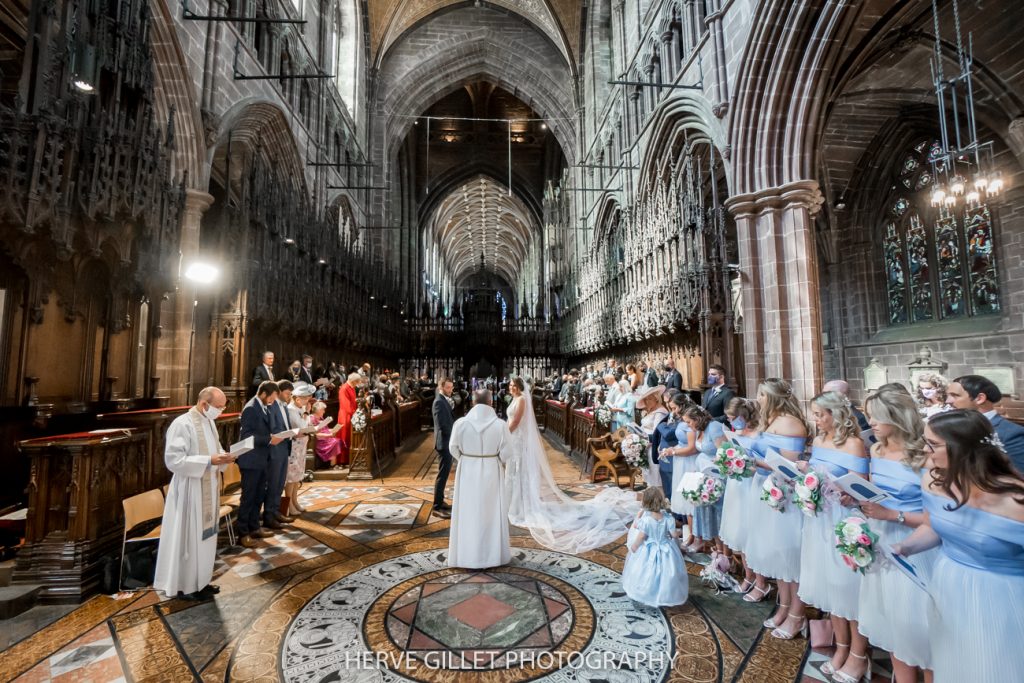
pixel 717 397
pixel 277 471
pixel 444 419
pixel 673 380
pixel 974 392
pixel 255 422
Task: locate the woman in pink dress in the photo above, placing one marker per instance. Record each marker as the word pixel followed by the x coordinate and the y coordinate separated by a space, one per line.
pixel 328 446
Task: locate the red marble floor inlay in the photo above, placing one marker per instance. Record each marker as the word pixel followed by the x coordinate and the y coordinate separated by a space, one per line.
pixel 406 614
pixel 554 607
pixel 480 611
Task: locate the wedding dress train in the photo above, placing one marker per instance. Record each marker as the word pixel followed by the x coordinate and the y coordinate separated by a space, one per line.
pixel 555 520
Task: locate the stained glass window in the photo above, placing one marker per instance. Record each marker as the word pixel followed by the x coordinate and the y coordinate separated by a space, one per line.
pixel 896 282
pixel 939 263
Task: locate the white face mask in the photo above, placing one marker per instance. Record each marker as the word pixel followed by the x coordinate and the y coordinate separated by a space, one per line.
pixel 212 413
pixel 929 393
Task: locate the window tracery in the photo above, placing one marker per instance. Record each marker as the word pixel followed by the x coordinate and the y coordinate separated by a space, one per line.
pixel 939 263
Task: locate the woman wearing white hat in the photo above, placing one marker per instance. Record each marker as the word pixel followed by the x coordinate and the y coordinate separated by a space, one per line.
pixel 648 399
pixel 298 411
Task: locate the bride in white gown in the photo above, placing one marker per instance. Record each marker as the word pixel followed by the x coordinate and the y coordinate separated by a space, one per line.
pixel 555 520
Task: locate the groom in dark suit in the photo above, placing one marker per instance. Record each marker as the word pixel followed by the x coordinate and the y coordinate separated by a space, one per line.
pixel 444 419
pixel 717 396
pixel 255 422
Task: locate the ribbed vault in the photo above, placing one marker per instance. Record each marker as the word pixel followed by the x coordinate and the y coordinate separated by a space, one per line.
pixel 479 222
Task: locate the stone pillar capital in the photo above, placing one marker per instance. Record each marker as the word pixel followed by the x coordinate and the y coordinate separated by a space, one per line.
pixel 197 202
pixel 798 194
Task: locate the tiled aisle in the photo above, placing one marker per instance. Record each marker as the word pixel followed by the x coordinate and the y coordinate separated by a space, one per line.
pixel 273 596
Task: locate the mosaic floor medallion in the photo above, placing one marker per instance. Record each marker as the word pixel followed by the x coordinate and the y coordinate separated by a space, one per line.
pixel 546 616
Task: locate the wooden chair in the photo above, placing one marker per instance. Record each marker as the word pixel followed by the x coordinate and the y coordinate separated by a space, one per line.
pixel 606 454
pixel 228 503
pixel 141 508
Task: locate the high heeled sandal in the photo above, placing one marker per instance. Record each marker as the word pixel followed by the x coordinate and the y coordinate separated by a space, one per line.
pixel 770 621
pixel 827 668
pixel 743 591
pixel 786 635
pixel 763 593
pixel 843 677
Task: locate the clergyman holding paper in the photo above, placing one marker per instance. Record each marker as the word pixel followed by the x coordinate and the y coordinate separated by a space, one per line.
pixel 188 542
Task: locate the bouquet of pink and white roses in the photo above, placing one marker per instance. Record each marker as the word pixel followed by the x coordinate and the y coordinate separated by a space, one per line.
pixel 702 490
pixel 807 493
pixel 774 494
pixel 603 413
pixel 634 450
pixel 734 462
pixel 857 543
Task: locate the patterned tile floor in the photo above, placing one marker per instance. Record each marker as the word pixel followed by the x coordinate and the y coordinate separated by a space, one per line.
pixel 280 607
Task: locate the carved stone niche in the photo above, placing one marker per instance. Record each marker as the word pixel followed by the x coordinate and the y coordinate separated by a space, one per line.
pixel 925 364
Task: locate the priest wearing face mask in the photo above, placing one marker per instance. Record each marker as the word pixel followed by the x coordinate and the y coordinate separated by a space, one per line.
pixel 188 542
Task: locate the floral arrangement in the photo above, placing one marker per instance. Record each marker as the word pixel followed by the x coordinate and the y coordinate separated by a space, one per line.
pixel 734 462
pixel 634 450
pixel 603 415
pixel 704 491
pixel 359 421
pixel 807 493
pixel 773 494
pixel 857 543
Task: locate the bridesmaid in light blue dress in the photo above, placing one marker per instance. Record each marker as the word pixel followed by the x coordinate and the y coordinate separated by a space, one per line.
pixel 654 572
pixel 893 611
pixel 974 500
pixel 825 580
pixel 774 550
pixel 707 519
pixel 738 523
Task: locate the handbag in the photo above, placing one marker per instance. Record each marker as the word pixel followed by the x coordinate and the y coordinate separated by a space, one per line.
pixel 821 633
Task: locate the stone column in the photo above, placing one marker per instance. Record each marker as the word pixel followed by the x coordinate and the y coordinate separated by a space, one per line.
pixel 176 312
pixel 779 284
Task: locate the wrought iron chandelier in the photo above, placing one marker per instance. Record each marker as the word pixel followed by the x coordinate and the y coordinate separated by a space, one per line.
pixel 965 168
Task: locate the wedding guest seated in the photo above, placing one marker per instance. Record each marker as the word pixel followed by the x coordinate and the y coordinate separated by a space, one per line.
pixel 328 446
pixel 974 392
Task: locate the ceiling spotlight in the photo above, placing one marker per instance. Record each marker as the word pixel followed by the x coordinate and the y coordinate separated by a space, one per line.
pixel 543 126
pixel 322 262
pixel 289 240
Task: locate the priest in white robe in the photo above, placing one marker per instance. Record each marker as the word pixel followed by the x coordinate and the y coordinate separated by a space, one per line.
pixel 481 445
pixel 188 540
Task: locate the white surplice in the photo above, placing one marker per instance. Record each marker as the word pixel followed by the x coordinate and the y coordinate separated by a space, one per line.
pixel 479 536
pixel 188 541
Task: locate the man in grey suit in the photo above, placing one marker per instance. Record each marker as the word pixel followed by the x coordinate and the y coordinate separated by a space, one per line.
pixel 717 396
pixel 444 419
pixel 974 392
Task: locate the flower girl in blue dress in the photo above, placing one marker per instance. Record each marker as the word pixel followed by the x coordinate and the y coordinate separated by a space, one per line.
pixel 654 572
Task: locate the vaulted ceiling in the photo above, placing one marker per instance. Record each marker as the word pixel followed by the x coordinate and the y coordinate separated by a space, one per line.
pixel 560 20
pixel 480 224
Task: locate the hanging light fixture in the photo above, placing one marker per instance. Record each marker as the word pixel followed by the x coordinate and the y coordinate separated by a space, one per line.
pixel 83 59
pixel 960 149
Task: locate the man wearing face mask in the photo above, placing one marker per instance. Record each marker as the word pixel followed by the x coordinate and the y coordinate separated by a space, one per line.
pixel 188 542
pixel 717 396
pixel 306 371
